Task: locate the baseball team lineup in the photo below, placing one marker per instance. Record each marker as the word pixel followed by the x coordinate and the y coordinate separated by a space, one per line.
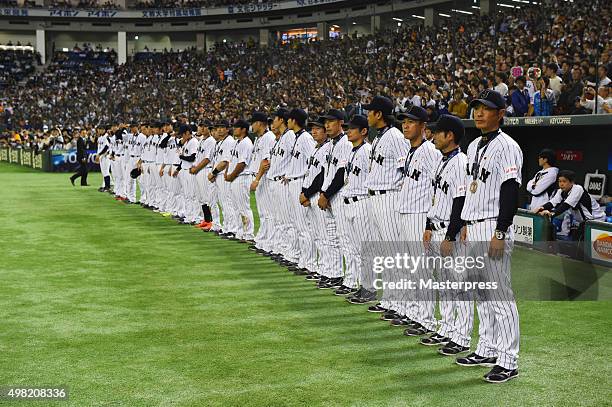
pixel 329 201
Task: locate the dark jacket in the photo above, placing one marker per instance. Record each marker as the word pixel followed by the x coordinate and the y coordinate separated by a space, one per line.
pixel 81 150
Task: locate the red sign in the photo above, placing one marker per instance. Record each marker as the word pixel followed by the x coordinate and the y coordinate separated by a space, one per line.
pixel 568 155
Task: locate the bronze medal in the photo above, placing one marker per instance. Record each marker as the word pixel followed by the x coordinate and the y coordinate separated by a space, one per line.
pixel 473 186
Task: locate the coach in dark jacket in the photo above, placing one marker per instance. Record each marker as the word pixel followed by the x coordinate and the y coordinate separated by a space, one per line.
pixel 81 159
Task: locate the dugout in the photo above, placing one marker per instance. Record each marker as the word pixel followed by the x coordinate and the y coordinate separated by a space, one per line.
pixel 582 144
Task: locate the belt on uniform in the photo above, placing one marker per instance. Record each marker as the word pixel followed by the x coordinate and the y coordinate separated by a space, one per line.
pixel 133 156
pixel 118 155
pixel 148 162
pixel 437 226
pixel 295 178
pixel 354 199
pixel 277 178
pixel 473 222
pixel 379 192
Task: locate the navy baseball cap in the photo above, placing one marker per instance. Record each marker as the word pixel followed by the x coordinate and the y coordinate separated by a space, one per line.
pixel 490 98
pixel 207 123
pixel 184 128
pixel 415 113
pixel 259 117
pixel 222 123
pixel 358 122
pixel 317 122
pixel 380 104
pixel 299 115
pixel 335 114
pixel 282 113
pixel 447 122
pixel 241 124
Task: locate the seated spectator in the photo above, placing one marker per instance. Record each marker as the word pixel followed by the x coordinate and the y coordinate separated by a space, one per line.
pixel 500 79
pixel 571 91
pixel 458 106
pixel 543 99
pixel 520 98
pixel 603 76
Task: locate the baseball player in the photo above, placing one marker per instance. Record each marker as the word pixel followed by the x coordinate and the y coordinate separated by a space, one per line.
pixel 279 162
pixel 571 197
pixel 264 142
pixel 146 163
pixel 350 209
pixel 442 227
pixel 302 149
pixel 327 248
pixel 103 157
pixel 543 185
pixel 413 204
pixel 187 155
pixel 163 167
pixel 239 176
pixel 226 144
pixel 384 181
pixel 494 173
pixel 201 170
pixel 153 168
pixel 173 204
pixel 329 200
pixel 133 154
pixel 116 160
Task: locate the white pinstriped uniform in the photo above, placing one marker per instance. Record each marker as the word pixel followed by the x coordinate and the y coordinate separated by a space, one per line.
pixel 283 238
pixel 230 219
pixel 502 159
pixel 137 152
pixel 351 213
pixel 214 203
pixel 388 149
pixel 261 151
pixel 414 200
pixel 154 189
pixel 171 160
pixel 241 195
pixel 187 181
pixel 160 157
pixel 117 164
pixel 206 149
pixel 456 312
pixel 147 158
pixel 303 147
pixel 103 141
pixel 329 257
pixel 337 158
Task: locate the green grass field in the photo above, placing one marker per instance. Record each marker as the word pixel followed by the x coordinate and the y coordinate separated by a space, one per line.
pixel 127 308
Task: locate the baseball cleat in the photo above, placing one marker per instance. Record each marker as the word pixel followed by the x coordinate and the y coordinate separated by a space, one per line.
pixel 377 308
pixel 434 340
pixel 475 360
pixel 500 374
pixel 452 349
pixel 417 330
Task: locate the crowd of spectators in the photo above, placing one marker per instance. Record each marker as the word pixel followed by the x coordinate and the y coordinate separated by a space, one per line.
pixel 16 64
pixel 560 67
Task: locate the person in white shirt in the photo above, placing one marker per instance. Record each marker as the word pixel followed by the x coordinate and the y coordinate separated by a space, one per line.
pixel 556 83
pixel 239 174
pixel 187 155
pixel 501 87
pixel 604 103
pixel 603 76
pixel 543 184
pixel 572 197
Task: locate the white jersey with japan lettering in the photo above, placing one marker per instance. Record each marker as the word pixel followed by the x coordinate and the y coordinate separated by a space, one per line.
pixel 138 145
pixel 206 150
pixel 488 167
pixel 280 158
pixel 147 149
pixel 224 153
pixel 261 150
pixel 103 144
pixel 449 182
pixel 303 146
pixel 337 158
pixel 242 152
pixel 160 152
pixel 542 186
pixel 419 172
pixel 172 156
pixel 188 149
pixel 388 149
pixel 316 162
pixel 357 171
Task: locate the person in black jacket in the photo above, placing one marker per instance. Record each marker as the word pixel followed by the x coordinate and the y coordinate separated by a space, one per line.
pixel 81 159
